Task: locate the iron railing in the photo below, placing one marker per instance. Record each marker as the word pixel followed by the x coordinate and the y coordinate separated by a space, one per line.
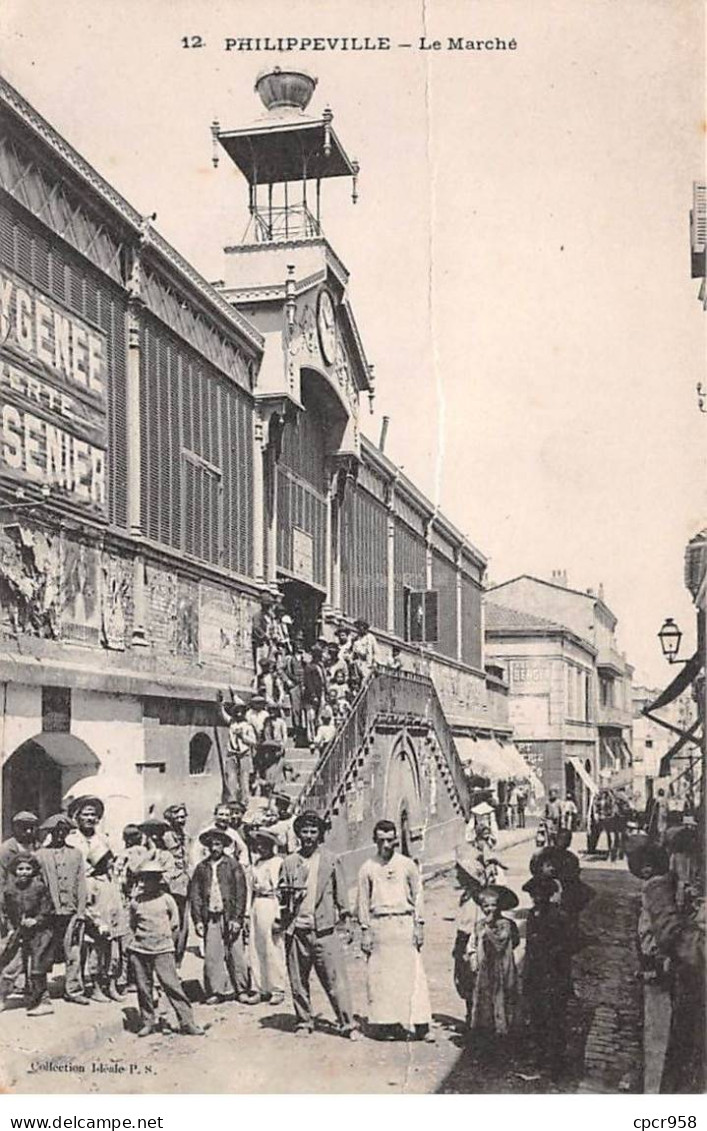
pixel 406 694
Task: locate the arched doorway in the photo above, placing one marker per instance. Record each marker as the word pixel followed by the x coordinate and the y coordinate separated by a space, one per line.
pixel 402 797
pixel 37 775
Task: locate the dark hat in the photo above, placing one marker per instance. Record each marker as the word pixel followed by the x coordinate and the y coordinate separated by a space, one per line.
pixel 681 838
pixel 25 818
pixel 24 858
pixel 80 803
pixel 647 854
pixel 55 820
pixel 101 860
pixel 309 817
pixel 154 825
pixel 150 867
pixel 257 701
pixel 215 834
pixel 507 899
pixel 541 885
pixel 362 623
pixel 265 834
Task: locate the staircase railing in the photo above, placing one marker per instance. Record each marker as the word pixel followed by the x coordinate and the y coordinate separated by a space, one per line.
pixel 401 693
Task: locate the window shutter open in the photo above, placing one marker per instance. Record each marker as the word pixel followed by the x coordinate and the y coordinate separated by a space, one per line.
pixel 423 616
pixel 698 229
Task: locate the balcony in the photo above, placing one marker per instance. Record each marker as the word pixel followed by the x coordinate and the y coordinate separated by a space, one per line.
pixel 612 716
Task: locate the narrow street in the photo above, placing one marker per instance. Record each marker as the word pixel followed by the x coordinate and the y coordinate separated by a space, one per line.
pixel 604 1048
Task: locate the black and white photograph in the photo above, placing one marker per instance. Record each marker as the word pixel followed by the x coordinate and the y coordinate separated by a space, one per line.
pixel 353 548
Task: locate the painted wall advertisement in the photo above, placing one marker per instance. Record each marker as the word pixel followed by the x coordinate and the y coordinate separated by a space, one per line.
pixel 53 387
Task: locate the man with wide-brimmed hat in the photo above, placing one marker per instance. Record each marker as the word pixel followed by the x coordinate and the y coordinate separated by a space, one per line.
pixel 64 869
pixel 313 899
pixel 218 897
pixel 87 813
pixel 154 925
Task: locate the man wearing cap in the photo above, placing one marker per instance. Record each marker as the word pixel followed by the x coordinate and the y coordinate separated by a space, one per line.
pixel 64 870
pixel 313 898
pixel 217 895
pixel 87 812
pixel 23 839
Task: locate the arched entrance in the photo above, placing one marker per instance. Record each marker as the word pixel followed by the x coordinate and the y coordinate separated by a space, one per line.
pixel 37 775
pixel 402 798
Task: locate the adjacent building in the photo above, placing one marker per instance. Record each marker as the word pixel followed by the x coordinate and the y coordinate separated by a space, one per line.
pixel 569 686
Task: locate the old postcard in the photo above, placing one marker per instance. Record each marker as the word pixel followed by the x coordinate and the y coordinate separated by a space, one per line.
pixel 352 547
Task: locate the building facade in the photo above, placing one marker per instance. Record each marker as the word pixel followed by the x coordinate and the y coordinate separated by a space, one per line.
pixel 170 452
pixel 570 687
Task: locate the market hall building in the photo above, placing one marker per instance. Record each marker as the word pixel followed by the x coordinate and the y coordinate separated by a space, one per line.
pixel 170 452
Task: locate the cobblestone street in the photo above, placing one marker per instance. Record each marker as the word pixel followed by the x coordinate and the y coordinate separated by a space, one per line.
pixel 604 1048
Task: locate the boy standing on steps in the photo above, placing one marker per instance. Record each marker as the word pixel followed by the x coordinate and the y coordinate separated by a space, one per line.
pixel 154 925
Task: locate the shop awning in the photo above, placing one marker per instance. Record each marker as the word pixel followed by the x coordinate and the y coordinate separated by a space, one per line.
pixel 514 760
pixel 687 739
pixel 687 675
pixel 484 755
pixel 586 779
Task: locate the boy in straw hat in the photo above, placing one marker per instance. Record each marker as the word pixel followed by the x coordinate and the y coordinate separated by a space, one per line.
pixel 217 896
pixel 154 926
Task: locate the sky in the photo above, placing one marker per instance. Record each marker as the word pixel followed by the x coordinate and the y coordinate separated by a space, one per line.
pixel 519 254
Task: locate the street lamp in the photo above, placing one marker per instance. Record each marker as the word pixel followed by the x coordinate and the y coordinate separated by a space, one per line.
pixel 670 637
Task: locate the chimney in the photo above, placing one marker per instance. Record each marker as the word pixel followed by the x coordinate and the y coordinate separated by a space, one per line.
pixel 601 590
pixel 559 577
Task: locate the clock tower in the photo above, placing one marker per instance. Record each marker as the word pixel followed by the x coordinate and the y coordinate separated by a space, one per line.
pixel 285 277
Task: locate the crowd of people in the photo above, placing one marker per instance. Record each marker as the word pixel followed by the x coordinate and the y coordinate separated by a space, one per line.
pixel 263 903
pixel 265 900
pixel 306 692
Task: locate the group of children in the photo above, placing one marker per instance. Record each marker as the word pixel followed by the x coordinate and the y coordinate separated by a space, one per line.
pixel 502 994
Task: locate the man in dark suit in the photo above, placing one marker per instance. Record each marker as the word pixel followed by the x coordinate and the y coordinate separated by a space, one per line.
pixel 217 896
pixel 313 690
pixel 313 899
pixel 65 875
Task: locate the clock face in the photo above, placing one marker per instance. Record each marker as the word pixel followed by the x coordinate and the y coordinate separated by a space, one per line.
pixel 326 326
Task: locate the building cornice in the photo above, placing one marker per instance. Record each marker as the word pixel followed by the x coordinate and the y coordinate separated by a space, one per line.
pixel 558 633
pixel 127 216
pixel 420 502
